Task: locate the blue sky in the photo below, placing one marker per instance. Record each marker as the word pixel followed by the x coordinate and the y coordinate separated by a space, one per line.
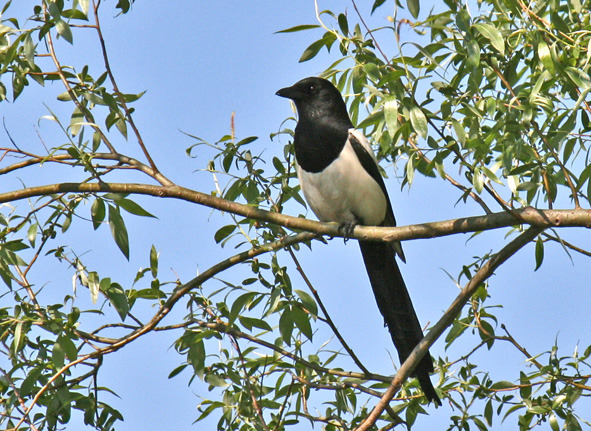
pixel 201 61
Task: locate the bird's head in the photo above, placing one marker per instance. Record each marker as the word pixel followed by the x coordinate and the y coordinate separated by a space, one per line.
pixel 316 98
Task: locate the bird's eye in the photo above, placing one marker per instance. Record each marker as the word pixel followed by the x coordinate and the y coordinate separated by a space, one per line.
pixel 311 88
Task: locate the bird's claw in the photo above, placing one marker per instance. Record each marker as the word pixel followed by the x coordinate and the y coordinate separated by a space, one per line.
pixel 347 229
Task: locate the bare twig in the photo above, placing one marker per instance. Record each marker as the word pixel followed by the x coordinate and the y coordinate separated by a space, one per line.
pixel 121 97
pixel 329 320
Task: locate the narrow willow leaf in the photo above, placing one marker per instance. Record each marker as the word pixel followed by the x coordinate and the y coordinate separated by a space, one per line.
pixel 459 130
pixel 478 180
pixel 579 77
pixel 410 170
pixel 93 286
pixel 32 234
pixel 154 261
pixel 472 53
pixel 118 299
pixel 377 4
pixel 418 121
pixel 545 56
pixel 118 230
pixel 414 7
pixel 298 28
pixel 493 35
pixel 539 252
pixel 286 326
pixel 391 115
pixel 63 29
pixel 97 212
pixel 68 347
pixel 134 208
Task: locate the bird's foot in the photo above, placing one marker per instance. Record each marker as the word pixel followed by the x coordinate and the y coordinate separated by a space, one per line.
pixel 347 229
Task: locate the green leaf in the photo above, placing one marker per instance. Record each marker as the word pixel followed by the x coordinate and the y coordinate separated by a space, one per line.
pixel 32 234
pixel 154 261
pixel 68 347
pixel 472 53
pixel 58 356
pixel 343 24
pixel 545 56
pixel 240 302
pixel 377 4
pixel 118 299
pixel 539 252
pixel 410 169
pixel 310 52
pixel 579 77
pixel 223 232
pixel 97 212
pixel 133 208
pixel 391 115
pixel 298 28
pixel 177 370
pixel 414 7
pixel 493 35
pixel 250 322
pixel 478 180
pixel 502 384
pixel 93 286
pixel 118 230
pixel 302 321
pixel 196 356
pixel 286 326
pixel 216 380
pixel 553 422
pixel 459 130
pixel 418 121
pixel 308 302
pixel 63 29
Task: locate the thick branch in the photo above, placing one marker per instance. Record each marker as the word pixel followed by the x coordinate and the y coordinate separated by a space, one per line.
pixel 529 215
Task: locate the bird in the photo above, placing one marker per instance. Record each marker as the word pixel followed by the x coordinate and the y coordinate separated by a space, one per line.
pixel 341 182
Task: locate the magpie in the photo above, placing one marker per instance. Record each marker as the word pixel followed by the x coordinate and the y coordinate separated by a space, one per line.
pixel 341 181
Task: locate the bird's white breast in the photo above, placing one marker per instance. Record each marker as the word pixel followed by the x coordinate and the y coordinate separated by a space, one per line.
pixel 344 191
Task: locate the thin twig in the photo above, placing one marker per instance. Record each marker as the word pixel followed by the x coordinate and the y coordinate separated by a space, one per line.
pixel 116 89
pixel 329 320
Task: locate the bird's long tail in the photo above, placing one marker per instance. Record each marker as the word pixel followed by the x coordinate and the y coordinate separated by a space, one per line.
pixel 396 307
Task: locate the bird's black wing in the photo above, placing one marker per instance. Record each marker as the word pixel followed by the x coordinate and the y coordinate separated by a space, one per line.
pixel 371 167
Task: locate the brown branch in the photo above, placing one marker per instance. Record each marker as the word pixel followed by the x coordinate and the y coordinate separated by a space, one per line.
pixel 576 217
pixel 567 244
pixel 446 320
pixel 35 159
pixel 224 328
pixel 163 311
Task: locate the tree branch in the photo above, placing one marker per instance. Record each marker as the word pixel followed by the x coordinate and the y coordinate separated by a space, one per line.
pixel 528 215
pixel 446 320
pixel 178 293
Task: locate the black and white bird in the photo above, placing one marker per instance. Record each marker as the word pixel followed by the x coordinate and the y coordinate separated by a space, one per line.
pixel 341 181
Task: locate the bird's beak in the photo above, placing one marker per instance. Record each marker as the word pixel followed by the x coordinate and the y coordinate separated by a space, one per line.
pixel 289 93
